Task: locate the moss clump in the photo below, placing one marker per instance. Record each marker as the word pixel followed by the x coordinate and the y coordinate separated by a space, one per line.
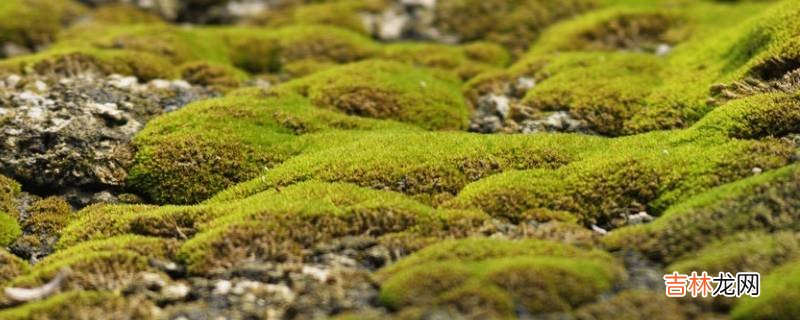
pixel 219 77
pixel 649 172
pixel 71 61
pixel 9 229
pixel 10 266
pixel 762 203
pixel 48 216
pixel 34 23
pixel 257 51
pixel 779 291
pixel 278 224
pixel 536 276
pixel 428 165
pixel 9 189
pixel 619 28
pixel 634 304
pixel 83 305
pixel 387 90
pixel 514 24
pixel 744 252
pixel 464 61
pixel 188 155
pixel 108 264
pixel 123 13
pixel 99 221
pixel 756 117
pixel 604 90
pixel 343 14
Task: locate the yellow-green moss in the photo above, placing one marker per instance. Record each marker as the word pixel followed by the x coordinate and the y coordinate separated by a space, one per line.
pixel 646 172
pixel 465 61
pixel 604 90
pixel 534 276
pixel 9 229
pixel 11 266
pixel 189 155
pixel 779 293
pixel 387 90
pixel 33 23
pixel 48 216
pixel 9 189
pixel 255 50
pixel 430 165
pixel 634 304
pixel 83 305
pixel 764 202
pixel 277 224
pixel 107 264
pixel 514 24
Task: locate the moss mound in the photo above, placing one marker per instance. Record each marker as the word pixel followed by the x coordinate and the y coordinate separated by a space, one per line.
pixel 386 90
pixel 493 277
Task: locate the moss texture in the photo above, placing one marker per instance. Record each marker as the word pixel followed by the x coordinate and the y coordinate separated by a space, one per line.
pixel 82 304
pixel 493 277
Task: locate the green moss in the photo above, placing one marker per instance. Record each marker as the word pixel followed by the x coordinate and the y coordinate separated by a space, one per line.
pixel 779 291
pixel 188 155
pixel 48 216
pixel 514 24
pixel 277 224
pixel 257 51
pixel 432 165
pixel 646 172
pixel 463 61
pixel 634 304
pixel 743 252
pixel 343 14
pixel 108 264
pixel 69 61
pixel 33 23
pixel 11 266
pixel 123 13
pixel 99 221
pixel 175 44
pixel 9 229
pixel 604 90
pixel 613 29
pixel 759 116
pixel 82 304
pixel 386 90
pixel 762 203
pixel 535 276
pixel 9 189
pixel 219 77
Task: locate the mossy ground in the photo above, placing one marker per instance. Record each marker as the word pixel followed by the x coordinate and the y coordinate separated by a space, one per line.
pixel 691 117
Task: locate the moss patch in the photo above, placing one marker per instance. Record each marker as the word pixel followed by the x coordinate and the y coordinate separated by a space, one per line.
pixel 83 304
pixel 513 273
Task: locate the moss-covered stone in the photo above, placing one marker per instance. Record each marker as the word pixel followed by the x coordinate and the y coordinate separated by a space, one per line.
pixel 515 275
pixel 83 304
